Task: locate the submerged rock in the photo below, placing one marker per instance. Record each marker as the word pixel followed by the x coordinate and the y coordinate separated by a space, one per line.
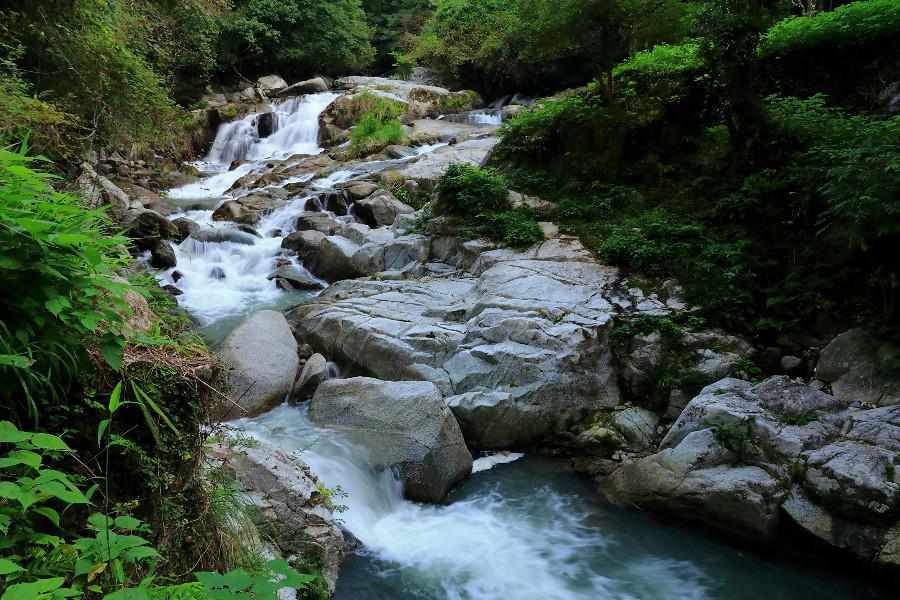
pixel 406 425
pixel 261 354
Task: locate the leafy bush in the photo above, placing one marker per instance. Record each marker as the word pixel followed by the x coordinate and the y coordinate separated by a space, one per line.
pixel 853 23
pixel 298 36
pixel 373 132
pixel 663 59
pixel 466 191
pixel 514 228
pixel 58 258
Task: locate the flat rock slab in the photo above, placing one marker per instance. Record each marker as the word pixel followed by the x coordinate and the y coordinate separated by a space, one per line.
pixel 534 327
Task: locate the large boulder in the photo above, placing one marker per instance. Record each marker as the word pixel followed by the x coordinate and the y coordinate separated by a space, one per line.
pixel 750 459
pixel 533 325
pixel 291 511
pixel 335 259
pixel 309 86
pixel 304 243
pixel 406 426
pixel 380 209
pixel 261 356
pixel 313 374
pixel 271 84
pixel 247 210
pixel 148 227
pixel 859 368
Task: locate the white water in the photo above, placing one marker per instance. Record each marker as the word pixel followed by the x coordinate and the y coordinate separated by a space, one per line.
pixel 481 548
pixel 536 541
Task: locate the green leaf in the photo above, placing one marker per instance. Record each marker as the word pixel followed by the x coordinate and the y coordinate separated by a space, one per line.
pixel 7 566
pixel 115 398
pixel 127 522
pixel 129 594
pixel 10 434
pixel 112 351
pixel 45 441
pixel 27 457
pixel 48 513
pixel 32 591
pixel 100 430
pixel 16 361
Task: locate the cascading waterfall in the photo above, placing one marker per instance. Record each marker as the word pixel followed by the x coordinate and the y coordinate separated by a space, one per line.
pixel 517 529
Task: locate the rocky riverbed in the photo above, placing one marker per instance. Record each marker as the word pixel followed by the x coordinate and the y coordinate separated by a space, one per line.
pixel 304 258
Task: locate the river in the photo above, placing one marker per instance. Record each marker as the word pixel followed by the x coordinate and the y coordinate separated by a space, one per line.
pixel 519 528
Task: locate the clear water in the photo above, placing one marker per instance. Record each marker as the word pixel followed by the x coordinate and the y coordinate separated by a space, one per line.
pixel 525 529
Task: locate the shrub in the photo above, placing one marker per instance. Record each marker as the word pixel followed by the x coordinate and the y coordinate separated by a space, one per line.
pixel 662 60
pixel 57 257
pixel 853 23
pixel 514 228
pixel 376 124
pixel 466 191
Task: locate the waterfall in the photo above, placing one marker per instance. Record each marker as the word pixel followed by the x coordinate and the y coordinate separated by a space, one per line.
pixel 295 129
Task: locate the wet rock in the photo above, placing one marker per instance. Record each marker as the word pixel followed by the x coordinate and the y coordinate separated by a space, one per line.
pixel 148 227
pixel 304 243
pixel 265 125
pixel 296 278
pixel 247 210
pixel 313 374
pixel 185 227
pixel 174 291
pixel 291 510
pixel 261 354
pixel 309 86
pixel 217 273
pixel 426 170
pixel 219 236
pixel 407 425
pixel 162 256
pixel 380 209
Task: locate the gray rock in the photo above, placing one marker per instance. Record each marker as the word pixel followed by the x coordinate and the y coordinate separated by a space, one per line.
pixel 696 481
pixel 533 325
pixel 312 375
pixel 305 243
pixel 247 210
pixel 317 221
pixel 162 256
pixel 270 84
pixel 407 426
pixel 185 227
pixel 296 278
pixel 291 511
pixel 856 364
pixel 361 189
pixel 380 209
pixel 261 354
pixel 334 261
pixel 220 236
pixel 310 86
pixel 636 367
pixel 637 426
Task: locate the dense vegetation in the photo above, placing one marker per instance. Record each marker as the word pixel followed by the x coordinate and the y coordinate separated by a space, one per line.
pixel 745 147
pixel 777 212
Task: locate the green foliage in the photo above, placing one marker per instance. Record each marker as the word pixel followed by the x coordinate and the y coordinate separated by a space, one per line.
pixel 663 59
pixel 847 25
pixel 513 228
pixel 53 239
pixel 403 65
pixel 298 36
pixel 734 435
pixel 394 25
pixel 467 191
pixel 376 126
pixel 517 44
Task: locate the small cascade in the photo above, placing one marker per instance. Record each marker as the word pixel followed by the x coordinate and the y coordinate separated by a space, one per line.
pixel 332 370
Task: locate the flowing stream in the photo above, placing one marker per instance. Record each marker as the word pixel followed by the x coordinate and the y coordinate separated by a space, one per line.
pixel 520 528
